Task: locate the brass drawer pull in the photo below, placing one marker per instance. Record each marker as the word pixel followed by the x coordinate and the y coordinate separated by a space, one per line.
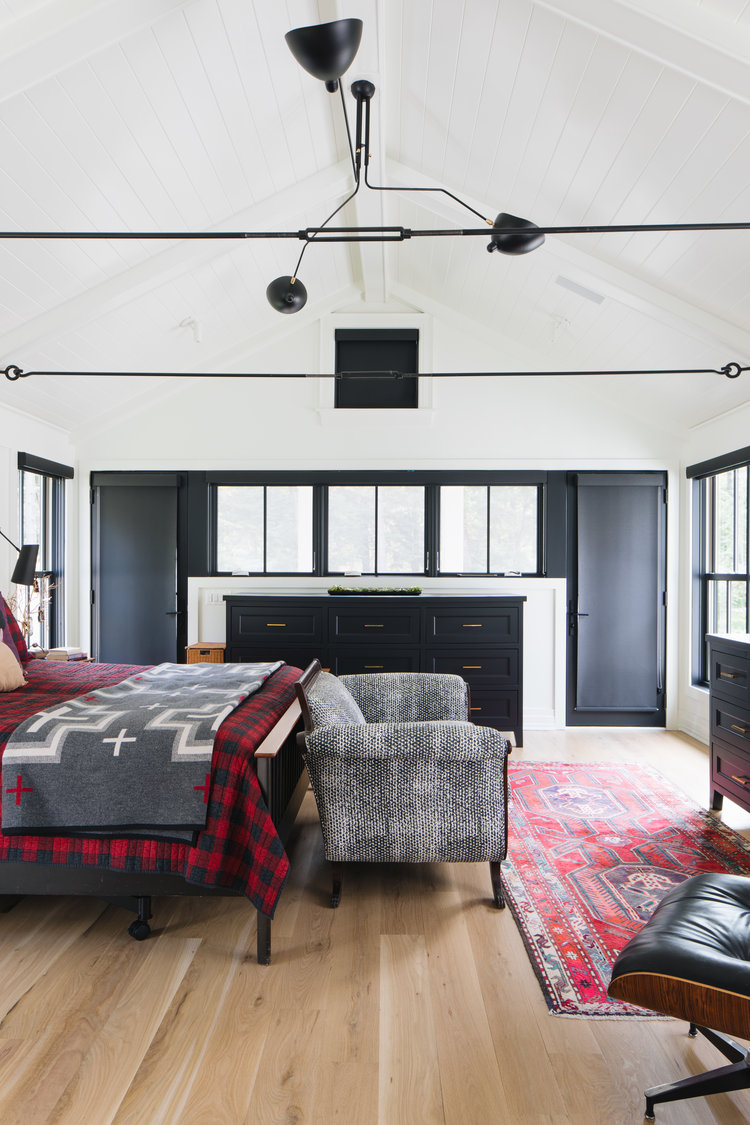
pixel 467 666
pixel 374 626
pixel 741 780
pixel 740 730
pixel 275 624
pixel 732 676
pixel 471 626
pixel 475 708
pixel 372 665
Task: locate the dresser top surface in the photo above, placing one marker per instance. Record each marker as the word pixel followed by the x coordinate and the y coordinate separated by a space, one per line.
pixel 336 598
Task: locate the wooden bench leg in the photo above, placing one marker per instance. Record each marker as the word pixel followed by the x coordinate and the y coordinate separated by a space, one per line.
pixel 337 873
pixel 497 885
pixel 264 939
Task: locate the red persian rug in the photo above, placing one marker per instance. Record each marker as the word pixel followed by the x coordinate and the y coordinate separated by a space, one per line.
pixel 592 851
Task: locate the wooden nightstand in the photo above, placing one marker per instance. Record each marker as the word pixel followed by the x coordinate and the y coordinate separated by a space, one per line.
pixel 205 652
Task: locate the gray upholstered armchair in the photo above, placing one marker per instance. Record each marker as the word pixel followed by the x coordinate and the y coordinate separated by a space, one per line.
pixel 400 774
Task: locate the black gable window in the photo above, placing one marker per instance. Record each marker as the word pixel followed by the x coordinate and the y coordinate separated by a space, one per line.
pixel 391 354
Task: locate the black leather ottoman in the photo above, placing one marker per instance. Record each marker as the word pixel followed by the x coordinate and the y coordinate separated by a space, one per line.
pixel 692 960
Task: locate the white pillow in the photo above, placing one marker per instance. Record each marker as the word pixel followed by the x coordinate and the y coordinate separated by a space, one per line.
pixel 11 672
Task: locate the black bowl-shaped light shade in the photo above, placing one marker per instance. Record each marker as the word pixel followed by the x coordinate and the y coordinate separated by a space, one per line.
pixel 512 235
pixel 286 295
pixel 23 571
pixel 326 50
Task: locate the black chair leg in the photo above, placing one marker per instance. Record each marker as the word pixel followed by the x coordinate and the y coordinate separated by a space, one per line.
pixel 337 873
pixel 723 1080
pixel 497 885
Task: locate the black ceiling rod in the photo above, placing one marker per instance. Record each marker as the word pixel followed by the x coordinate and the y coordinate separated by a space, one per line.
pixel 732 370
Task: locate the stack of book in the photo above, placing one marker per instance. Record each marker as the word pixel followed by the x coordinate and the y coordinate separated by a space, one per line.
pixel 67 652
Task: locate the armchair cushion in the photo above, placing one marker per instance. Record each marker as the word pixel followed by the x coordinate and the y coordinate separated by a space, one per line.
pixel 410 792
pixel 409 696
pixel 330 703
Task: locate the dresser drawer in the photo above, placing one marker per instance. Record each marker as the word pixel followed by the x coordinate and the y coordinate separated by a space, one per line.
pixel 730 724
pixel 473 627
pixel 283 624
pixel 375 626
pixel 351 660
pixel 494 708
pixel 730 677
pixel 730 772
pixel 499 668
pixel 269 650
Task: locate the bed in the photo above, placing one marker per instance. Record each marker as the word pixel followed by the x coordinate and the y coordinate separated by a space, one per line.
pixel 257 784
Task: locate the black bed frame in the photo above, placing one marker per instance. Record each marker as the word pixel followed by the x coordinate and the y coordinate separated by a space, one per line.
pixel 283 781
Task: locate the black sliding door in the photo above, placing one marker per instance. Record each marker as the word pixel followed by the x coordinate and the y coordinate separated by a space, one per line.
pixel 136 613
pixel 616 596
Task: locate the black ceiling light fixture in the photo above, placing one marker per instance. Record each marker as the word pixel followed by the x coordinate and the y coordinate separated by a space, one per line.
pixel 326 51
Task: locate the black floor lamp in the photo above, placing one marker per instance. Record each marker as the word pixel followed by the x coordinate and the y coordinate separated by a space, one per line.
pixel 25 569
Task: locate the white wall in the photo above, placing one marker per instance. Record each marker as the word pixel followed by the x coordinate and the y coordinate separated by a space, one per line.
pixel 472 423
pixel 23 434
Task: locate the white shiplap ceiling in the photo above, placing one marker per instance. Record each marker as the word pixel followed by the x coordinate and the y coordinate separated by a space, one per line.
pixel 192 115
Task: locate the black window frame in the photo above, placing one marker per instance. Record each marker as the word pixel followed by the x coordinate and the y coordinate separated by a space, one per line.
pixel 703 476
pixel 51 561
pixel 549 556
pixel 265 484
pixel 488 573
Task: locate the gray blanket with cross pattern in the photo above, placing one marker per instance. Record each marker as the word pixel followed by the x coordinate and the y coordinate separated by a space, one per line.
pixel 133 759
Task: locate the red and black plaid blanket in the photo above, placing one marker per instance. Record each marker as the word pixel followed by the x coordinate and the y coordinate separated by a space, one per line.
pixel 239 849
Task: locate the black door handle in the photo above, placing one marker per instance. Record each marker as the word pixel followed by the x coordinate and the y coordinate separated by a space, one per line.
pixel 173 613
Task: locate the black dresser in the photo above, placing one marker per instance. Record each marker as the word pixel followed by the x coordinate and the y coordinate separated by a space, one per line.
pixel 729 694
pixel 478 638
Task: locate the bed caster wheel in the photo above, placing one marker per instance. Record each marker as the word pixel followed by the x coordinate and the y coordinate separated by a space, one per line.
pixel 139 930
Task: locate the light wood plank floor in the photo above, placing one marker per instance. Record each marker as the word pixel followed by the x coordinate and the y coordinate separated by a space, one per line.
pixel 413 1003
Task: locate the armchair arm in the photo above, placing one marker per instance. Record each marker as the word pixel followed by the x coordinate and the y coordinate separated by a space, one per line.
pixel 409 696
pixel 413 741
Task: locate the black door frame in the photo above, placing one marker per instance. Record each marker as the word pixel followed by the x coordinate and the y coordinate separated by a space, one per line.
pixel 576 718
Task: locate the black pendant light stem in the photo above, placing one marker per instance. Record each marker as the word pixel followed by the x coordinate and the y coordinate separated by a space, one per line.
pixel 312 232
pixel 348 132
pixel 366 99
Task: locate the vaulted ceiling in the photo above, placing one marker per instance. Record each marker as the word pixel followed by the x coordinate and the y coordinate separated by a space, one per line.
pixel 192 115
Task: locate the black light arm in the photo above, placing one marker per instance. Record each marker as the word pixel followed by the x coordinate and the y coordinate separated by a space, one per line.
pixel 25 568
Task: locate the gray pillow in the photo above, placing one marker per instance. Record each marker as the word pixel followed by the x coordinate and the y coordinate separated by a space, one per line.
pixel 331 704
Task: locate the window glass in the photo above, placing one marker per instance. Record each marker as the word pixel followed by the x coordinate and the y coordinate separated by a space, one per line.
pixel 400 529
pixel 351 529
pixel 513 529
pixel 32 513
pixel 39 608
pixel 730 505
pixel 721 564
pixel 289 523
pixel 463 529
pixel 239 528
